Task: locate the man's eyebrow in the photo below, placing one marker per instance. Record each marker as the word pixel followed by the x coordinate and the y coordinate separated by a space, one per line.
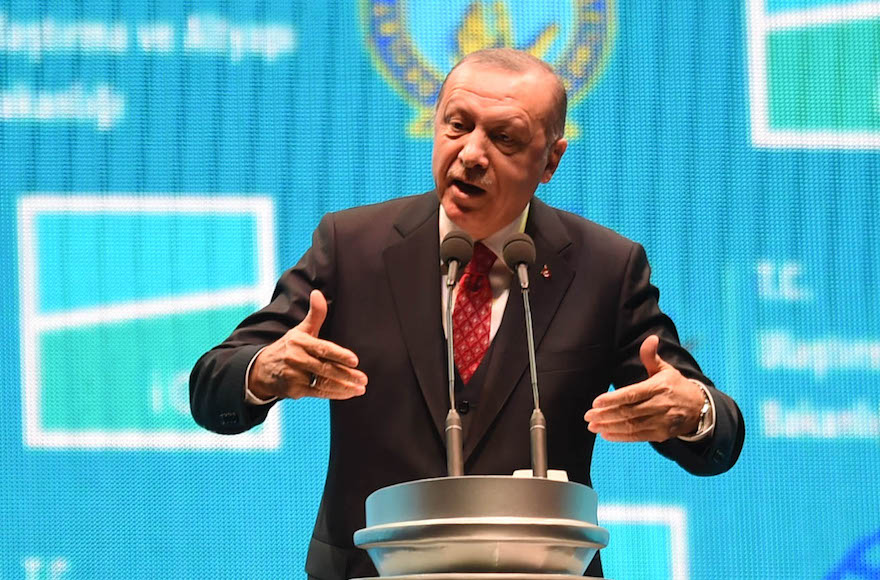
pixel 516 121
pixel 454 105
pixel 516 124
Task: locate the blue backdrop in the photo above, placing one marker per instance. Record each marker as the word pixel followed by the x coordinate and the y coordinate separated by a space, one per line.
pixel 162 162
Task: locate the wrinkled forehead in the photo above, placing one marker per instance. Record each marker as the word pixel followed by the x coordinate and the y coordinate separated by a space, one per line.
pixel 530 89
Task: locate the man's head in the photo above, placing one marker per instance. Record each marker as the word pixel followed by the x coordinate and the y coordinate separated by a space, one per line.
pixel 497 134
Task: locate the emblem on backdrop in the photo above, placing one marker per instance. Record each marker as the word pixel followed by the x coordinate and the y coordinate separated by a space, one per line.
pixel 414 44
pixel 860 561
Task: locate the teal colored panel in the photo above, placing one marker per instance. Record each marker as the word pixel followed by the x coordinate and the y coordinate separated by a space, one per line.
pixel 786 5
pixel 90 259
pixel 638 552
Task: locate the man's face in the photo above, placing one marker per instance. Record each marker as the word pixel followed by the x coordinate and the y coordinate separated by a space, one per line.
pixel 490 146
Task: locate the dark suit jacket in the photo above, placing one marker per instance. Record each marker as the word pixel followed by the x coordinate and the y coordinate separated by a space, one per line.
pixel 378 266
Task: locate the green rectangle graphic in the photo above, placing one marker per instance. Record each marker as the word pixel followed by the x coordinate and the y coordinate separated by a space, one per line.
pixel 130 375
pixel 826 77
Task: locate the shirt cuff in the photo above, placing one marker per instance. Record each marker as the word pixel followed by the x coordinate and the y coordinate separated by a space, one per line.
pixel 249 397
pixel 708 427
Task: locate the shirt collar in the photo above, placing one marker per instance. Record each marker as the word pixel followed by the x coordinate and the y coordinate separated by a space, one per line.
pixel 495 242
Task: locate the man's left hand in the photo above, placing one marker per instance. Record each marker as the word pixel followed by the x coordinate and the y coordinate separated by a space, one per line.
pixel 663 406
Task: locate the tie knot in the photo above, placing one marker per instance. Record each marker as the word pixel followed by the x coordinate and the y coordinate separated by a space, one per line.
pixel 482 260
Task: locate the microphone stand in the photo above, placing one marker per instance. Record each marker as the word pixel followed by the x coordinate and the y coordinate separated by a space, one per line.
pixel 454 453
pixel 537 423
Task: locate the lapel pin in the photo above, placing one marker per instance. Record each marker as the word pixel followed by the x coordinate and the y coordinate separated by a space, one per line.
pixel 545 271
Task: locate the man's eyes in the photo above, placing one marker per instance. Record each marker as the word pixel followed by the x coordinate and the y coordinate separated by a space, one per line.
pixel 507 141
pixel 457 125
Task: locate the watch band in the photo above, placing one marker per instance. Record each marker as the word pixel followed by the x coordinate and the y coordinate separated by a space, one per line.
pixel 707 416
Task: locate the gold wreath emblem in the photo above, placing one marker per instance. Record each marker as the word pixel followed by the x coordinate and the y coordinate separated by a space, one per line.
pixel 484 25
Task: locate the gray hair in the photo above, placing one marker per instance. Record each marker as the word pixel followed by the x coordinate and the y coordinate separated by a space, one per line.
pixel 513 60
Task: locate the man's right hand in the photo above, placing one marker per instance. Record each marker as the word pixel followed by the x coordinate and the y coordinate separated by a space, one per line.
pixel 286 368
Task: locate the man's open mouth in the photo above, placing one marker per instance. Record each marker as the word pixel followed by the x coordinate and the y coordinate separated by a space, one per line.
pixel 468 188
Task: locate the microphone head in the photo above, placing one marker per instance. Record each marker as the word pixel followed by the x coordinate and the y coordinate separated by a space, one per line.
pixel 458 246
pixel 518 249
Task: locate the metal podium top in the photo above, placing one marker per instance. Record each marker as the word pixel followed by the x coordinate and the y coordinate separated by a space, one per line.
pixel 482 527
pixel 490 576
pixel 481 496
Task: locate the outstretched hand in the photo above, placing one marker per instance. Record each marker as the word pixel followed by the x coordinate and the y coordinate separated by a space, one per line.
pixel 299 364
pixel 663 406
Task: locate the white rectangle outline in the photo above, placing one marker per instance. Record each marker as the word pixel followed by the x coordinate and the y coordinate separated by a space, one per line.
pixel 32 323
pixel 759 25
pixel 674 517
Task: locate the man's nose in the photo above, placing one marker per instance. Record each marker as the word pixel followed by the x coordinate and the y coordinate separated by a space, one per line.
pixel 473 153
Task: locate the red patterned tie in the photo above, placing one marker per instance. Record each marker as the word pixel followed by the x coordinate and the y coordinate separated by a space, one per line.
pixel 473 313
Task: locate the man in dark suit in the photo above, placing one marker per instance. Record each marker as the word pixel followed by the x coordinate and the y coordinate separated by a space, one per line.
pixel 365 302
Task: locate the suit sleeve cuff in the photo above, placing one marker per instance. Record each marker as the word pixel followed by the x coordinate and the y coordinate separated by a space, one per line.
pixel 249 397
pixel 708 428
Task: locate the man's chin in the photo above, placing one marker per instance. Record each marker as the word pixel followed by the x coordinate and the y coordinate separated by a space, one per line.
pixel 457 204
pixel 469 219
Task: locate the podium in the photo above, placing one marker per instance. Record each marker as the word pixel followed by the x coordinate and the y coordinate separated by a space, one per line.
pixel 482 528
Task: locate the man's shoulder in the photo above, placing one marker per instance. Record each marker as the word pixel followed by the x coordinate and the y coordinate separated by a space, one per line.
pixel 386 207
pixel 386 213
pixel 583 231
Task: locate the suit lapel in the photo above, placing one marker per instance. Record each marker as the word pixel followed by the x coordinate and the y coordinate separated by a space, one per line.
pixel 412 264
pixel 510 355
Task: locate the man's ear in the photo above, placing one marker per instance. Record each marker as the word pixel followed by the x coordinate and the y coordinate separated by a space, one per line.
pixel 556 151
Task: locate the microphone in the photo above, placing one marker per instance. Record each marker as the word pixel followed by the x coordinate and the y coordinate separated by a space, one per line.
pixel 519 254
pixel 456 250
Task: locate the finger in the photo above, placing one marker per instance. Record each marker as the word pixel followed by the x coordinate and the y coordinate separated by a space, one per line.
pixel 327 388
pixel 630 395
pixel 650 359
pixel 635 437
pixel 661 422
pixel 625 427
pixel 649 428
pixel 331 372
pixel 335 391
pixel 653 427
pixel 648 354
pixel 326 350
pixel 311 324
pixel 617 413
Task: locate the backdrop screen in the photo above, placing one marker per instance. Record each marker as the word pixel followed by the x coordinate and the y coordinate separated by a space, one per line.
pixel 162 162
